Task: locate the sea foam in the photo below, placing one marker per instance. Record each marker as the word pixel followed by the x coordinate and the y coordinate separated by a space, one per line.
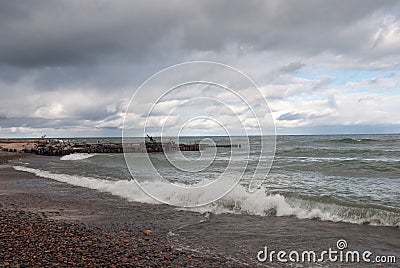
pixel 76 156
pixel 238 201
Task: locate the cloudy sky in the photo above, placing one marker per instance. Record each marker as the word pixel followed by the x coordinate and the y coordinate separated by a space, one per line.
pixel 69 68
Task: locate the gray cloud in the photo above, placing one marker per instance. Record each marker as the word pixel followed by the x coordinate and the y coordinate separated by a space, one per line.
pixel 48 33
pixel 72 64
pixel 291 117
pixel 292 67
pixel 323 83
pixel 58 33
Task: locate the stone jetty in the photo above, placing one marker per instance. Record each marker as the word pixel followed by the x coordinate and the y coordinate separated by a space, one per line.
pixel 60 147
pixel 63 148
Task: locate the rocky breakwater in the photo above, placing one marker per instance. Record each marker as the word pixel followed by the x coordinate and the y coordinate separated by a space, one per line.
pixel 63 148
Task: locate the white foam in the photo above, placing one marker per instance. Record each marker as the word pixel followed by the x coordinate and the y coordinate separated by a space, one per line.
pixel 76 156
pixel 258 203
pixel 122 188
pixel 237 201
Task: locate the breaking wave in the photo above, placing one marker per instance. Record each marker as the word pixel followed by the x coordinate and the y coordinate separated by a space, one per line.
pixel 239 201
pixel 76 156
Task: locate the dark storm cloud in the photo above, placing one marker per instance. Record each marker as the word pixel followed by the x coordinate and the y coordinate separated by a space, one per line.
pixel 53 33
pixel 67 64
pixel 57 33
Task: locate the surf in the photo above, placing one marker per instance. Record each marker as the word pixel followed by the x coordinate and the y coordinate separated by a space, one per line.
pixel 238 201
pixel 76 156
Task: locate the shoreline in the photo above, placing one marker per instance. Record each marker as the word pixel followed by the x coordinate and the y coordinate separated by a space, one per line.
pixel 212 240
pixel 61 231
pixel 8 156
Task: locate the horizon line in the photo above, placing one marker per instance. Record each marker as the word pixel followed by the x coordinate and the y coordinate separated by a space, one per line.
pixel 95 137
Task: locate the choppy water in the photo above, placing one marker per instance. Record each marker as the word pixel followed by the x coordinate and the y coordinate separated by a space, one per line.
pixel 349 178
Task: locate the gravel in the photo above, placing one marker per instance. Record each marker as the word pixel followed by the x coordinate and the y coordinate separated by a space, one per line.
pixel 30 240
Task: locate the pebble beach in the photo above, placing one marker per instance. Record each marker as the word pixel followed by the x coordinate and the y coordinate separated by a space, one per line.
pixel 32 240
pixel 51 230
pixel 47 223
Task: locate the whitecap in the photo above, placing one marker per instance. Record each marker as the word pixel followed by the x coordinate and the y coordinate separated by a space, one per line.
pixel 76 156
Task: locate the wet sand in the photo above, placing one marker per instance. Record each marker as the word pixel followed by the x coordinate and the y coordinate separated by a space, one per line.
pixel 87 227
pixel 8 156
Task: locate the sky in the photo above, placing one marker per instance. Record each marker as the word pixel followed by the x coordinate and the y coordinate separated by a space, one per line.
pixel 70 68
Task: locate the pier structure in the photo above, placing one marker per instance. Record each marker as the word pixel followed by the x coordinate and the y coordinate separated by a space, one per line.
pixel 60 147
pixel 47 147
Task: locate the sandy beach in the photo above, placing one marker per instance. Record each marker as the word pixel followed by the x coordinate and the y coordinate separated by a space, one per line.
pixel 19 145
pixel 45 222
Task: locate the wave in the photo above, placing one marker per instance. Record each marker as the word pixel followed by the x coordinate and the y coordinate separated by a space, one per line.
pixel 262 204
pixel 76 156
pixel 353 141
pixel 340 159
pixel 238 201
pixel 123 188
